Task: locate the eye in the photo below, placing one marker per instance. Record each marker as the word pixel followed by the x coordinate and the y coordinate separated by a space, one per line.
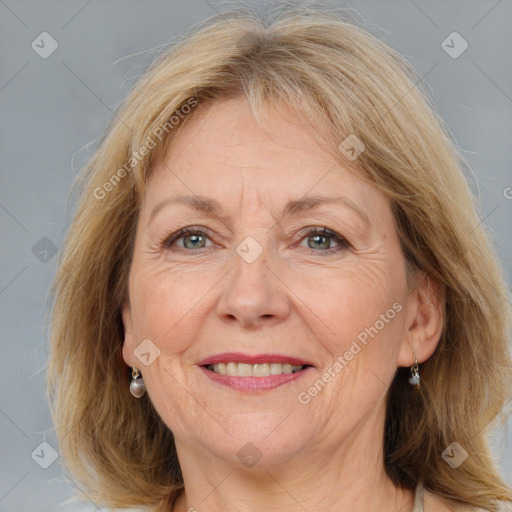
pixel 193 239
pixel 318 238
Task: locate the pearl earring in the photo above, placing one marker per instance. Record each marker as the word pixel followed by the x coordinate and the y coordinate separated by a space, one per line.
pixel 137 386
pixel 414 379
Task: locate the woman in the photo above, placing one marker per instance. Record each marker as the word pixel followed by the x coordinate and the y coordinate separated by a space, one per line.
pixel 276 293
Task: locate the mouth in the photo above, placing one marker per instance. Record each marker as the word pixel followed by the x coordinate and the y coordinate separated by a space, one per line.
pixel 253 373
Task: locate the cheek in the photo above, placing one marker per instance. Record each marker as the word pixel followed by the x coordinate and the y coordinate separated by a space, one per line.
pixel 167 306
pixel 357 318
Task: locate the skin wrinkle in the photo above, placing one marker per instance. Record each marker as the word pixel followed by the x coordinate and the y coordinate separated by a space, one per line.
pixel 289 300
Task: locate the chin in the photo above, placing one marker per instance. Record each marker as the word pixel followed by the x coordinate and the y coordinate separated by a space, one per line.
pixel 254 440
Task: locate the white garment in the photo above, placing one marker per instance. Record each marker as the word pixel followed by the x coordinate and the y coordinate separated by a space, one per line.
pixel 418 499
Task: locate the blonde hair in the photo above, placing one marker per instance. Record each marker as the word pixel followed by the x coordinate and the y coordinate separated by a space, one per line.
pixel 334 74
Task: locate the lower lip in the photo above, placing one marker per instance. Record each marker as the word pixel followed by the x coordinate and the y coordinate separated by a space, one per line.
pixel 254 383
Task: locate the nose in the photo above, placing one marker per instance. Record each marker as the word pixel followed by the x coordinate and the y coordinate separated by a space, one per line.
pixel 254 295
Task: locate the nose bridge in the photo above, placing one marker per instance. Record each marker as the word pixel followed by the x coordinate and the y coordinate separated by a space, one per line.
pixel 250 269
pixel 253 292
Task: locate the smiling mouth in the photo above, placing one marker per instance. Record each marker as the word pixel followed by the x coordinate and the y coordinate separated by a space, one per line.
pixel 234 369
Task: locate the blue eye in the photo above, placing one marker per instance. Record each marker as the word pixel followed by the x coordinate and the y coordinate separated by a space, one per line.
pixel 319 240
pixel 195 236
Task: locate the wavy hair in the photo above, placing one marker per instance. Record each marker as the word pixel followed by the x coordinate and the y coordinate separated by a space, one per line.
pixel 341 80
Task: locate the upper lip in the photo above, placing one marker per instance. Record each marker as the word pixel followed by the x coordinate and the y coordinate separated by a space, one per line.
pixel 238 357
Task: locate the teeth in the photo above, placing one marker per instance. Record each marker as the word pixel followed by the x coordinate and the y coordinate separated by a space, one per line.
pixel 231 369
pixel 276 369
pixel 261 370
pixel 254 370
pixel 244 370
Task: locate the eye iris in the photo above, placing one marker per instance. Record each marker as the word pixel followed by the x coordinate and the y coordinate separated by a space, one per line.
pixel 317 238
pixel 196 237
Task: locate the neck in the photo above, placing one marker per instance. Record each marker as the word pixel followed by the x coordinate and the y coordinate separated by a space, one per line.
pixel 348 477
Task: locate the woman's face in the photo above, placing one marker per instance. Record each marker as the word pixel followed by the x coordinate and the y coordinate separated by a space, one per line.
pixel 251 285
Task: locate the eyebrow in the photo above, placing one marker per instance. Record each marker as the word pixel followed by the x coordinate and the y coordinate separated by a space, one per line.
pixel 293 207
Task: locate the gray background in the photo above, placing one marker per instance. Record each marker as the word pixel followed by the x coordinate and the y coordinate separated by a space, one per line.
pixel 54 109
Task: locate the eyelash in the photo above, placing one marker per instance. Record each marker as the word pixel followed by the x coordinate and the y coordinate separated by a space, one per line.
pixel 168 240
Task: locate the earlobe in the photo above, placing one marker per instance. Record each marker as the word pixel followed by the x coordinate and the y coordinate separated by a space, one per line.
pixel 424 322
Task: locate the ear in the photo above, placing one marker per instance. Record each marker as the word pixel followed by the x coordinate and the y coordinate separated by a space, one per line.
pixel 129 339
pixel 424 320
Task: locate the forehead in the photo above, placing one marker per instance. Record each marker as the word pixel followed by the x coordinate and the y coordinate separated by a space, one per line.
pixel 223 152
pixel 226 134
